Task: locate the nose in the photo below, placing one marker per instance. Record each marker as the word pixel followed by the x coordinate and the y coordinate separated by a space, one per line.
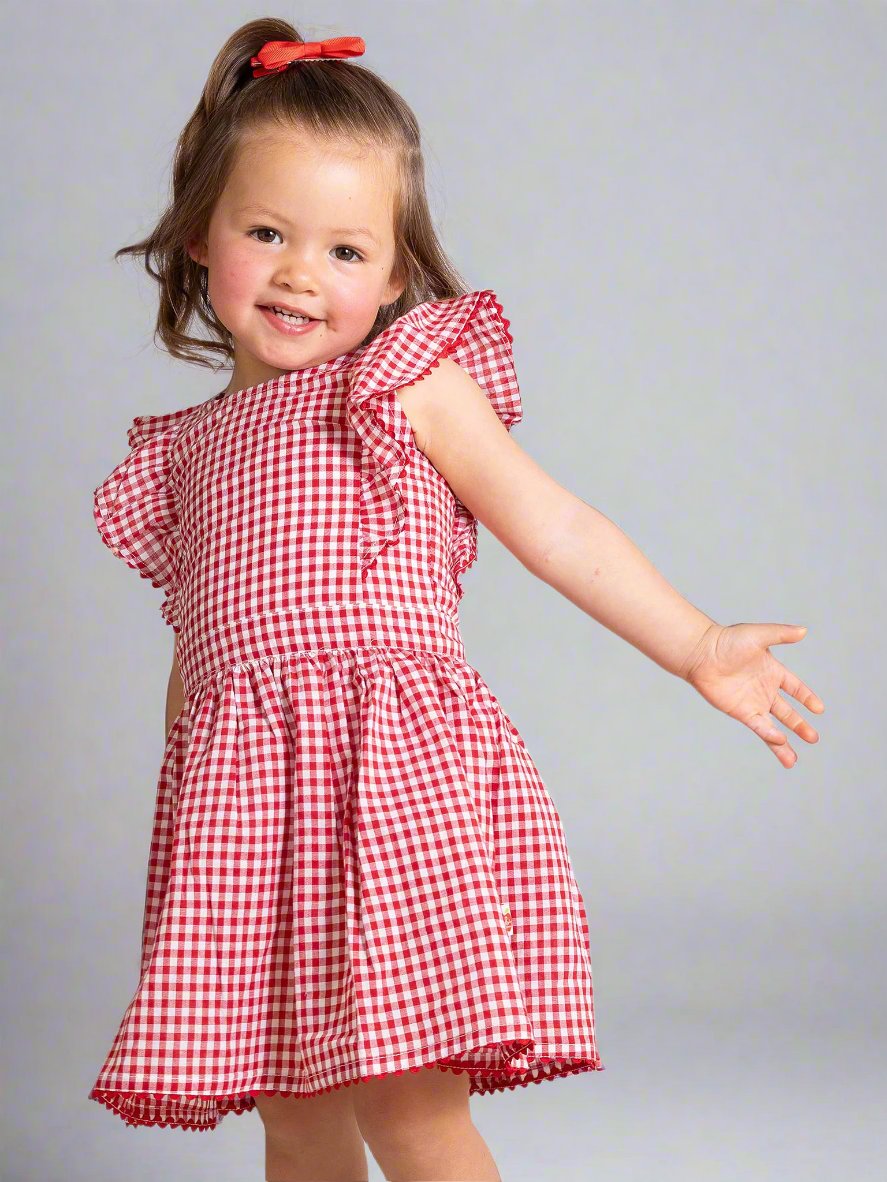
pixel 298 270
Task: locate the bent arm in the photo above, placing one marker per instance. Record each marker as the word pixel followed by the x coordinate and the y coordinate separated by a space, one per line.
pixel 559 538
pixel 175 693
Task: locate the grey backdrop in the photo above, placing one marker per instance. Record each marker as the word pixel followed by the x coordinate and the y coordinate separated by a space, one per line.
pixel 682 208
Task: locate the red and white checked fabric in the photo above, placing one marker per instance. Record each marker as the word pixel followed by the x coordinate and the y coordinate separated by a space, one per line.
pixel 355 868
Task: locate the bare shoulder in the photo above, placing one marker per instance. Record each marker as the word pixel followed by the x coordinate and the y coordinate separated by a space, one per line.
pixel 458 429
pixel 445 395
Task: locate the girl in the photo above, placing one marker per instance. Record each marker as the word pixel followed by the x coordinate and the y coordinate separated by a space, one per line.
pixel 356 875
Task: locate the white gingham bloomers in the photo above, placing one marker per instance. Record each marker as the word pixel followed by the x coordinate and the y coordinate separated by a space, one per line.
pixel 355 868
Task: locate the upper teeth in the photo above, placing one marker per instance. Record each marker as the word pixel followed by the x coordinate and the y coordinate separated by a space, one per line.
pixel 291 315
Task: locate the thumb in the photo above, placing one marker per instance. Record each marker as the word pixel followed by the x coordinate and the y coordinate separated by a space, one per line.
pixel 787 633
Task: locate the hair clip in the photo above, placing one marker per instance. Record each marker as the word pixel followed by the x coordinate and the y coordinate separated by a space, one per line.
pixel 275 56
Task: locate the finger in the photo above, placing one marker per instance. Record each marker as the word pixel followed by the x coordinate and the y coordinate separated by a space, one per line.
pixel 785 753
pixel 790 718
pixel 802 693
pixel 774 738
pixel 766 729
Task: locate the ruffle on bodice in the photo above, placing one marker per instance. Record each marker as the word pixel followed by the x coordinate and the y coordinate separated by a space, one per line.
pixel 472 331
pixel 136 510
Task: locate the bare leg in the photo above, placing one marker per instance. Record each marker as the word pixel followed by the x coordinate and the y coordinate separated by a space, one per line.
pixel 312 1138
pixel 419 1129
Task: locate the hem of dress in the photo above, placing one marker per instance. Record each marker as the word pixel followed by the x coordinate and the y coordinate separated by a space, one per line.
pixel 239 1102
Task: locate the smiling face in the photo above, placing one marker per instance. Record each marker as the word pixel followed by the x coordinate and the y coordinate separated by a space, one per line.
pixel 302 224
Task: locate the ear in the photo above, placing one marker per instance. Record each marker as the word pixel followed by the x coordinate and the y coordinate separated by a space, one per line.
pixel 197 251
pixel 393 291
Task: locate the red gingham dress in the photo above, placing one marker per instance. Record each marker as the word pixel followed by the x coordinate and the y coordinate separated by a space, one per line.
pixel 355 868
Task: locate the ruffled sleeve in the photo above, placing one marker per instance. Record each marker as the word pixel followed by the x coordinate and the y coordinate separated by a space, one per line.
pixel 136 510
pixel 470 329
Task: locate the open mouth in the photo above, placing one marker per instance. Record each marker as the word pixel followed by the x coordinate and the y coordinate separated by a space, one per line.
pixel 289 317
pixel 288 322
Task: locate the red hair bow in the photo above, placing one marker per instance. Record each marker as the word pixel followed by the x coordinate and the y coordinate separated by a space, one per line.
pixel 275 56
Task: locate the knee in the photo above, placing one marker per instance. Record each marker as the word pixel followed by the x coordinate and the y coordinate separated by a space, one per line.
pixel 399 1135
pixel 416 1106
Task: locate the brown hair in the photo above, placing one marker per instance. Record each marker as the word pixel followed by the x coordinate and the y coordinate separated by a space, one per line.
pixel 331 98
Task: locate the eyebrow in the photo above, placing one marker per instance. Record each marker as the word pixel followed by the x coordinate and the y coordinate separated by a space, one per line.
pixel 354 231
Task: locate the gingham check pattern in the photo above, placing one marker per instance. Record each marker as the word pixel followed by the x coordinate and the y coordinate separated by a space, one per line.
pixel 355 868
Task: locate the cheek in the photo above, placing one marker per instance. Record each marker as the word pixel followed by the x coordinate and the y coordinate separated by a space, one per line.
pixel 234 277
pixel 358 300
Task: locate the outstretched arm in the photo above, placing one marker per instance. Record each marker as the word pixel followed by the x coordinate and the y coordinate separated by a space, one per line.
pixel 587 558
pixel 555 535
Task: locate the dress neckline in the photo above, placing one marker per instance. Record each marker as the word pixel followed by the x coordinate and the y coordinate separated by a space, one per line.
pixel 293 377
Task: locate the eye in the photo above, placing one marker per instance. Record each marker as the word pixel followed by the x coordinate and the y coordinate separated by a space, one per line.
pixel 263 229
pixel 354 252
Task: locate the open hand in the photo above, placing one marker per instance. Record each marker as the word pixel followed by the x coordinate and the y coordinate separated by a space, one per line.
pixel 733 668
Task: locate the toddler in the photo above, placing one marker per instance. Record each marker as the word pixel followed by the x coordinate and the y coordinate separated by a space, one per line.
pixel 360 909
